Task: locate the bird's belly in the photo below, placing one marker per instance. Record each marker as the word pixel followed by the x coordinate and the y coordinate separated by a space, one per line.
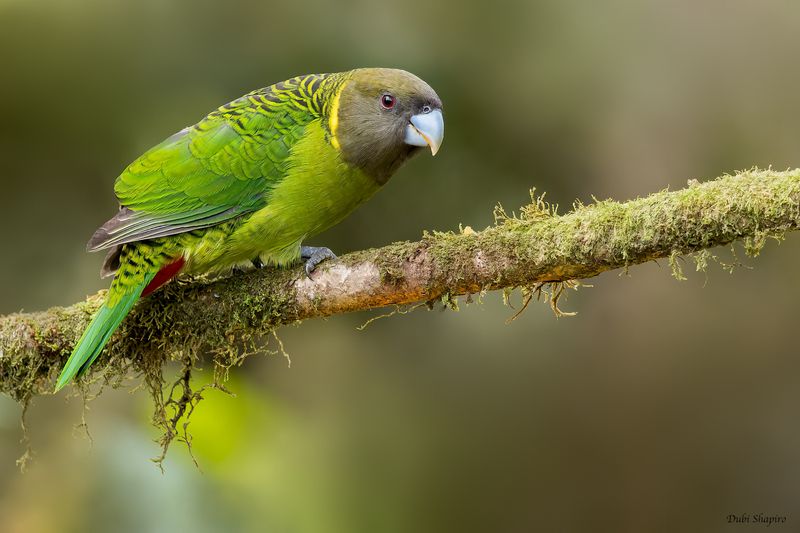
pixel 296 212
pixel 297 209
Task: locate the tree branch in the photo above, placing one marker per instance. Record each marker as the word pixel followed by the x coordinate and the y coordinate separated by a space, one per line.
pixel 226 316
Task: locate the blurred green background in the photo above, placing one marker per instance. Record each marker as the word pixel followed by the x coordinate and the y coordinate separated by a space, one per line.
pixel 662 406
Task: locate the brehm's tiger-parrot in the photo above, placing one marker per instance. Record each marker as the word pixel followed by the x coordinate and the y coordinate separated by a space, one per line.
pixel 253 180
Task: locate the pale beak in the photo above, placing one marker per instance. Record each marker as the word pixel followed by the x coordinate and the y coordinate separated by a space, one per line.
pixel 426 129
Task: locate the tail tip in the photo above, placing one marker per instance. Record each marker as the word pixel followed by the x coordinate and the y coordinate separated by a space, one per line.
pixel 61 383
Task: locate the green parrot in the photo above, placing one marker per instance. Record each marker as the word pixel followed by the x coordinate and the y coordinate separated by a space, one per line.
pixel 253 180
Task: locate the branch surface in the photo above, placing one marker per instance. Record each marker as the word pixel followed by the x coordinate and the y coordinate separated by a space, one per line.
pixel 225 316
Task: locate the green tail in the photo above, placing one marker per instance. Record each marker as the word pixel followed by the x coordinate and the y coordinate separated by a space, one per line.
pixel 103 325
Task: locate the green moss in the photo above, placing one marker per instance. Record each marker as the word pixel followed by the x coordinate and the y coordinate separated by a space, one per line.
pixel 533 249
pixel 389 262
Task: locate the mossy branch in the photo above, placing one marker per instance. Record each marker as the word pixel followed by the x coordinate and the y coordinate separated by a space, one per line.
pixel 223 317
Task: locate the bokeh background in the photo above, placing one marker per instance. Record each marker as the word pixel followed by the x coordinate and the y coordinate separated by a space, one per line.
pixel 661 406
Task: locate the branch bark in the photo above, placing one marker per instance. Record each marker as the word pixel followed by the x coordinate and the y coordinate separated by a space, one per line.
pixel 223 316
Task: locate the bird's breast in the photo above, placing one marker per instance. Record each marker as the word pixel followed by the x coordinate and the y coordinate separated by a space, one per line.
pixel 318 191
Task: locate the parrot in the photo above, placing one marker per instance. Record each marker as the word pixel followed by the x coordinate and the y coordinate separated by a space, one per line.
pixel 252 181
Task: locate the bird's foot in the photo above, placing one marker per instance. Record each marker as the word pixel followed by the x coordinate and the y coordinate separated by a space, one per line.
pixel 239 269
pixel 314 255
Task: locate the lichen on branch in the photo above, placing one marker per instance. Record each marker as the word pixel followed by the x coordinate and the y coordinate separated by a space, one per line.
pixel 226 317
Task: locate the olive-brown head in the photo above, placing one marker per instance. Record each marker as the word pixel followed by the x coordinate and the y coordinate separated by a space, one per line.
pixel 383 117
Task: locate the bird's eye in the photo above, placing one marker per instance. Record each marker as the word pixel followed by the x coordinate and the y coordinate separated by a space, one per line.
pixel 388 101
pixel 426 109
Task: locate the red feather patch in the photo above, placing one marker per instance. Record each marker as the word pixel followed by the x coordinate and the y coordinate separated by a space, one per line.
pixel 164 275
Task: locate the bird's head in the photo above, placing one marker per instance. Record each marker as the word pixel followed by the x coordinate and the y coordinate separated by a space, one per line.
pixel 383 117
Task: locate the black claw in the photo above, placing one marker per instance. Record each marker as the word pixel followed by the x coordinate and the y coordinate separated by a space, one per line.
pixel 314 256
pixel 239 269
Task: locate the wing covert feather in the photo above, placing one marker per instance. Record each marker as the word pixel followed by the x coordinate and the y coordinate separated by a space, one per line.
pixel 218 169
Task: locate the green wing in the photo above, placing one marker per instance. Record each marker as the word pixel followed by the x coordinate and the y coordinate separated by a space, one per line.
pixel 216 170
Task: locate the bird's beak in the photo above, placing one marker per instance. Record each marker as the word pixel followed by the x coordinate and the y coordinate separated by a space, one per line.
pixel 426 129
